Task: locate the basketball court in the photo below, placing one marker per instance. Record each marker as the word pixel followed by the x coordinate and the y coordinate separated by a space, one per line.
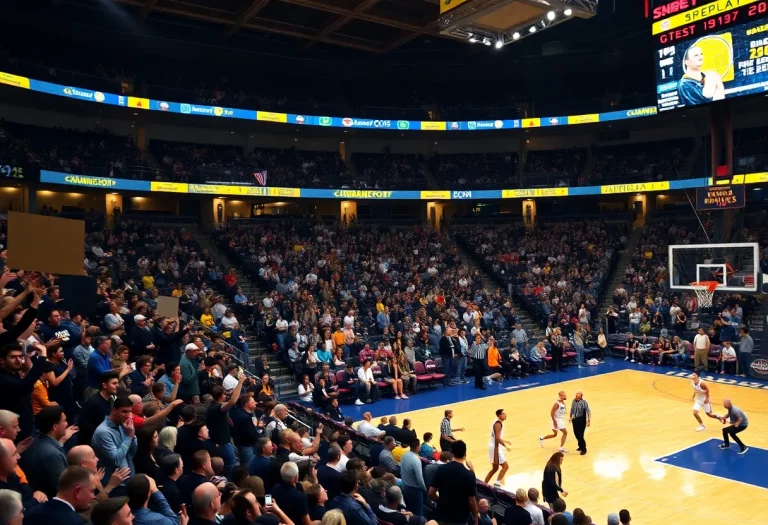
pixel 644 454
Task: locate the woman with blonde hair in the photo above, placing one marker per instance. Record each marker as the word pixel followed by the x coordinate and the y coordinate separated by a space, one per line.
pixel 333 517
pixel 166 442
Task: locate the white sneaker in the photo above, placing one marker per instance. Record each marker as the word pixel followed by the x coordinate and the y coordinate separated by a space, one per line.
pixel 632 361
pixel 541 442
pixel 358 402
pixel 497 484
pixel 700 428
pixel 626 358
pixel 563 450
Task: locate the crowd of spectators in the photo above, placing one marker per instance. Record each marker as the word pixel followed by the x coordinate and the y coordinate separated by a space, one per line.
pixel 122 412
pixel 641 162
pixel 387 170
pixel 557 271
pixel 190 162
pixel 554 167
pixel 302 169
pixel 72 151
pixel 475 170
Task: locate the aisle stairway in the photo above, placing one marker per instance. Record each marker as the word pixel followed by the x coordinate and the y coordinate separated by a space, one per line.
pixel 281 374
pixel 619 272
pixel 533 330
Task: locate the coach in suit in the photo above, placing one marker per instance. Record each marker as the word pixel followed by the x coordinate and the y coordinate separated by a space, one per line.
pixel 75 494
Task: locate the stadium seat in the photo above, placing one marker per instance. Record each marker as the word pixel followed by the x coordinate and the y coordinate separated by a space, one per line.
pixel 432 369
pixel 421 373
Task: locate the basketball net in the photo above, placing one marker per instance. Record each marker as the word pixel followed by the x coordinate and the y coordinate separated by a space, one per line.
pixel 705 291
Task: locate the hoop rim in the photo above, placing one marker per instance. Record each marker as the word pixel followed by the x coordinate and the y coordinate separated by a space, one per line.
pixel 709 286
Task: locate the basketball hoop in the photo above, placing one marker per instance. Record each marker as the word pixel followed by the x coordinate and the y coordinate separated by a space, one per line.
pixel 705 290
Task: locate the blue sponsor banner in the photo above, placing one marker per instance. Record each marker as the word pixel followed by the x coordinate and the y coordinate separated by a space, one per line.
pixel 475 194
pixel 186 108
pixel 554 121
pixel 360 194
pixel 76 93
pixel 214 111
pixel 108 183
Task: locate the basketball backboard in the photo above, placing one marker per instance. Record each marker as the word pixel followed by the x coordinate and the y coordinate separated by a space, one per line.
pixel 735 266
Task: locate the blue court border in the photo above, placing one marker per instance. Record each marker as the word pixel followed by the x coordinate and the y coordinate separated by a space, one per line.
pixel 440 396
pixel 706 458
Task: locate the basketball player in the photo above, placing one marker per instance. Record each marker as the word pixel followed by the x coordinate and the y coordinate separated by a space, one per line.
pixel 701 400
pixel 558 422
pixel 496 449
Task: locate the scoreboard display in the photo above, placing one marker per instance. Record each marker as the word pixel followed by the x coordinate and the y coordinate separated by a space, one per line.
pixel 709 50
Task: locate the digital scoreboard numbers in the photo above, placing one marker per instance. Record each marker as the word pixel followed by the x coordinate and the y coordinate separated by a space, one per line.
pixel 709 50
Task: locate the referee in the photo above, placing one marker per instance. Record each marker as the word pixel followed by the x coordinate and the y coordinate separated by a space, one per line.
pixel 479 354
pixel 446 433
pixel 580 417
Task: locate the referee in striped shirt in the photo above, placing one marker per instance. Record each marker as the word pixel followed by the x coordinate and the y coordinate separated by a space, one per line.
pixel 479 354
pixel 580 417
pixel 446 433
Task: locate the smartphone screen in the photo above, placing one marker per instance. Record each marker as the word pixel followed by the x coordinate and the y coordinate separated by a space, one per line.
pixel 268 500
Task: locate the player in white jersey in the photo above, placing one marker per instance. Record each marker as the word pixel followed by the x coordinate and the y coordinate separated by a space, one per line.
pixel 558 422
pixel 701 400
pixel 496 449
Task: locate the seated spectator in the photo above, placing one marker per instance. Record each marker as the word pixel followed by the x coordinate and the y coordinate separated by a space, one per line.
pixel 292 497
pixel 201 470
pixel 426 451
pixel 148 504
pixel 317 496
pixel 355 509
pixel 75 493
pixel 45 460
pixel 386 459
pixel 171 469
pixel 12 511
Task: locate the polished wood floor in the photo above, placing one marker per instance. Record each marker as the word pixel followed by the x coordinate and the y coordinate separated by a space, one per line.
pixel 637 418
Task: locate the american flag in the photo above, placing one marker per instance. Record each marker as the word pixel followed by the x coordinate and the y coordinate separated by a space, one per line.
pixel 261 177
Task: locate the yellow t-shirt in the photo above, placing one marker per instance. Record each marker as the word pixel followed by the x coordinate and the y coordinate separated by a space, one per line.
pixel 379 307
pixel 148 281
pixel 399 452
pixel 176 293
pixel 207 320
pixel 338 338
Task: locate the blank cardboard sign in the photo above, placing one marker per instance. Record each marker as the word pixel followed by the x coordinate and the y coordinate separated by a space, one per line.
pixel 167 306
pixel 39 243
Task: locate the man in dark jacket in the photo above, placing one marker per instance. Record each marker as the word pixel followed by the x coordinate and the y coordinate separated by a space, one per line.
pixel 17 390
pixel 75 494
pixel 141 341
pixel 45 460
pixel 448 351
pixel 247 428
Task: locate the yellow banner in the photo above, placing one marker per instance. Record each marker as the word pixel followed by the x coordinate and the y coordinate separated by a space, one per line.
pixel 447 5
pixel 531 122
pixel 139 103
pixel 14 80
pixel 268 116
pixel 698 13
pixel 435 195
pixel 285 192
pixel 433 126
pixel 173 187
pixel 534 192
pixel 635 188
pixel 755 178
pixel 221 189
pixel 584 119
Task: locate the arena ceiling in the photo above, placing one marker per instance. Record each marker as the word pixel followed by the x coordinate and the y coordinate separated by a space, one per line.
pixel 377 26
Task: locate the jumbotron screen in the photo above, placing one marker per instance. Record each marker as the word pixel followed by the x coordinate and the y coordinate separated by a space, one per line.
pixel 709 50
